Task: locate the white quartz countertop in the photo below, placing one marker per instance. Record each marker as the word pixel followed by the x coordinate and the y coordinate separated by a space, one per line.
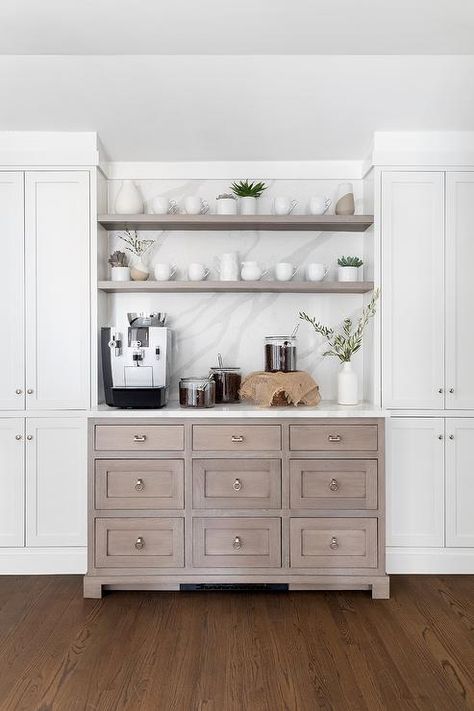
pixel 242 410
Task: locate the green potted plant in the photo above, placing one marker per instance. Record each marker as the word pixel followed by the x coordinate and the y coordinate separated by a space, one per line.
pixel 348 268
pixel 119 270
pixel 343 345
pixel 248 194
pixel 138 247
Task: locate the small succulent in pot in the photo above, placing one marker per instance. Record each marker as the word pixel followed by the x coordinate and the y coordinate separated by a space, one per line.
pixel 348 268
pixel 118 259
pixel 248 193
pixel 120 271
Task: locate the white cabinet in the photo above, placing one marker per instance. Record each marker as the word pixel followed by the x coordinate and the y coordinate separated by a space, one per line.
pixel 57 226
pixel 12 482
pixel 12 352
pixel 415 481
pixel 412 229
pixel 459 290
pixel 56 459
pixel 460 482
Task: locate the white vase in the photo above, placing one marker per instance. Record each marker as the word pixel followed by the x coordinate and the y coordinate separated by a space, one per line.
pixel 348 273
pixel 347 386
pixel 344 203
pixel 128 200
pixel 248 205
pixel 120 273
pixel 138 271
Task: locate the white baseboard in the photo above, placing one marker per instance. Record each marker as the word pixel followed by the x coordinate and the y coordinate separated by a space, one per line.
pixel 430 560
pixel 43 561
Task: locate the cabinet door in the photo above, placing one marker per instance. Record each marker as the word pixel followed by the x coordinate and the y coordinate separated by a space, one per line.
pixel 56 481
pixel 459 290
pixel 415 481
pixel 460 482
pixel 57 289
pixel 413 289
pixel 12 352
pixel 12 482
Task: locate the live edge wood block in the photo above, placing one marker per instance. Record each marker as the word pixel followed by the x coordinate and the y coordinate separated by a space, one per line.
pixel 192 501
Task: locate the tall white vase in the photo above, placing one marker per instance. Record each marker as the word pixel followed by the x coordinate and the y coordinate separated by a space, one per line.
pixel 128 200
pixel 347 385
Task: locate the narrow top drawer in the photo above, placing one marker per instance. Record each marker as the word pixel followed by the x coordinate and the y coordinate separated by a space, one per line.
pixel 337 438
pixel 233 438
pixel 139 438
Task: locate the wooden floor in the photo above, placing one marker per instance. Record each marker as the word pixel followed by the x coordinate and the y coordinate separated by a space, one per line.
pixel 236 651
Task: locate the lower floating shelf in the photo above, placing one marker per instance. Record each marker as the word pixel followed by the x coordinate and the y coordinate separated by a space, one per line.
pixel 283 287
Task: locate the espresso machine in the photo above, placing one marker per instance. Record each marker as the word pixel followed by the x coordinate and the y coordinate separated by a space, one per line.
pixel 136 365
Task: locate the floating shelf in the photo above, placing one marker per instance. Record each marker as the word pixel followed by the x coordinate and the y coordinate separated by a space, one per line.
pixel 286 287
pixel 296 223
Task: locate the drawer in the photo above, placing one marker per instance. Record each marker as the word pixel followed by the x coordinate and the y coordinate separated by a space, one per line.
pixel 139 438
pixel 333 484
pixel 239 438
pixel 139 542
pixel 236 483
pixel 334 438
pixel 139 484
pixel 333 542
pixel 237 542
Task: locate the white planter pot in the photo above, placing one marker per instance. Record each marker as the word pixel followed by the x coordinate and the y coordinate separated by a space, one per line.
pixel 128 200
pixel 348 273
pixel 120 273
pixel 347 386
pixel 248 205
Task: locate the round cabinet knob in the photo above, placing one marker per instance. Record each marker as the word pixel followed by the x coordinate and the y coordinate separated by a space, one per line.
pixel 237 544
pixel 19 391
pixel 139 485
pixel 29 437
pixel 18 436
pixel 237 485
pixel 30 391
pixel 440 390
pixel 440 437
pixel 140 543
pixel 334 544
pixel 237 438
pixel 334 485
pixel 451 391
pixel 451 436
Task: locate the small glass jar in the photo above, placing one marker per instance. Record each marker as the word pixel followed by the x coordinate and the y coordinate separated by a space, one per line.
pixel 280 354
pixel 228 381
pixel 226 204
pixel 197 392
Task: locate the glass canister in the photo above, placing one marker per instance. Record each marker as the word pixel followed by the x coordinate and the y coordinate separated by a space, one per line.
pixel 228 381
pixel 280 354
pixel 197 392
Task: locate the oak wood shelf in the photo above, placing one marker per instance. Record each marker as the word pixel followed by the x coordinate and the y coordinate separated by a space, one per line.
pixel 296 223
pixel 286 287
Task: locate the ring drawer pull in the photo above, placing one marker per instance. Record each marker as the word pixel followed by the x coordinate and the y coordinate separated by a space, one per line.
pixel 139 486
pixel 334 438
pixel 237 544
pixel 139 438
pixel 140 543
pixel 334 544
pixel 237 485
pixel 334 485
pixel 237 438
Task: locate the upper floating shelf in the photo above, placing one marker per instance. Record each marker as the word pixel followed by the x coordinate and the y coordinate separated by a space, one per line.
pixel 296 223
pixel 288 287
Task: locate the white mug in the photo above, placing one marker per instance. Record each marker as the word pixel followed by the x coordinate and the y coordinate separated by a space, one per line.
pixel 319 204
pixel 197 272
pixel 284 271
pixel 283 205
pixel 251 271
pixel 162 206
pixel 164 272
pixel 316 272
pixel 195 205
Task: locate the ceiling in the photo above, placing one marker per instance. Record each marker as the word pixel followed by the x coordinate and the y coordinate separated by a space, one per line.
pixel 243 27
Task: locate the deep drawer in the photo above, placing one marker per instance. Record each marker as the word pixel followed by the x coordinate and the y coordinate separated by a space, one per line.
pixel 239 438
pixel 333 542
pixel 236 483
pixel 139 438
pixel 139 484
pixel 333 438
pixel 237 542
pixel 333 484
pixel 139 542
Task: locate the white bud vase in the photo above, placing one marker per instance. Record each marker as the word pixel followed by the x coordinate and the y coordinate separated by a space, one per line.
pixel 347 386
pixel 128 200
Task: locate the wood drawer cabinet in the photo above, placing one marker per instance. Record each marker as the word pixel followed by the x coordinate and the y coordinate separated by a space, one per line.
pixel 236 438
pixel 236 483
pixel 139 542
pixel 139 483
pixel 333 484
pixel 236 542
pixel 333 542
pixel 334 438
pixel 139 438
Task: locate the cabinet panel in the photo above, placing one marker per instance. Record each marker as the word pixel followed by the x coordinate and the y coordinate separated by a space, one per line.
pixel 459 290
pixel 413 289
pixel 57 289
pixel 12 354
pixel 460 482
pixel 415 482
pixel 12 482
pixel 56 481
